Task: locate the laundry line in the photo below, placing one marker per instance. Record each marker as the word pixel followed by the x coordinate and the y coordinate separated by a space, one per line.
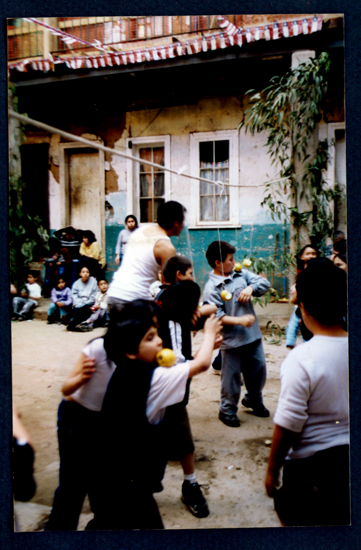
pixel 97 145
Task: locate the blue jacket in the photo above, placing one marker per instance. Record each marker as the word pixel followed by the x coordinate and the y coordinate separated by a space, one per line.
pixel 235 336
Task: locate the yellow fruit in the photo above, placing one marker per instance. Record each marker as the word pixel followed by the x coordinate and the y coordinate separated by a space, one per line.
pixel 225 295
pixel 247 263
pixel 238 267
pixel 166 358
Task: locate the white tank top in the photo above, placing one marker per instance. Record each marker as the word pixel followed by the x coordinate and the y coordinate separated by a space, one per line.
pixel 139 267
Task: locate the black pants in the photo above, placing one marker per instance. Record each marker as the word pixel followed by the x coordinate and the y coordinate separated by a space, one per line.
pixel 78 429
pixel 316 489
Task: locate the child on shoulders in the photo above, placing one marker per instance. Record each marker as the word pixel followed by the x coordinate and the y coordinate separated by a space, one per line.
pixel 99 317
pixel 242 350
pixel 28 300
pixel 61 299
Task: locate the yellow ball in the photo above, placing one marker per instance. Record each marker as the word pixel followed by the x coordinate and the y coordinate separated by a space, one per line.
pixel 247 263
pixel 225 295
pixel 238 267
pixel 166 358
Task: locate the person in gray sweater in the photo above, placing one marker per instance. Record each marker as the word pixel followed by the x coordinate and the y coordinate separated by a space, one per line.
pixel 242 349
pixel 83 292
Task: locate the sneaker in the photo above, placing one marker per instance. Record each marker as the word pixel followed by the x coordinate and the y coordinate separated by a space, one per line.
pixel 216 371
pixel 258 410
pixel 64 320
pixel 84 327
pixel 231 421
pixel 193 498
pixel 50 321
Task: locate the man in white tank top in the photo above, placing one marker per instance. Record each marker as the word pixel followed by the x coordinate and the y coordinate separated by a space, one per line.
pixel 148 249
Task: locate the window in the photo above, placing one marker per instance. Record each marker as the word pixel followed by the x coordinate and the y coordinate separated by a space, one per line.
pixel 214 165
pixel 147 186
pixel 214 156
pixel 151 183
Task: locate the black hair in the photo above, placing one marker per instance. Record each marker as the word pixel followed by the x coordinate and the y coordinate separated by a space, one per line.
pixel 174 264
pixel 218 250
pixel 338 236
pixel 34 273
pixel 342 256
pixel 170 212
pixel 131 217
pixel 300 262
pixel 102 278
pixel 89 235
pixel 60 278
pixel 340 246
pixel 127 327
pixel 179 301
pixel 322 289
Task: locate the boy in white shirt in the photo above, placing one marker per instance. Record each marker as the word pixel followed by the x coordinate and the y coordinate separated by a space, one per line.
pixel 24 304
pixel 311 434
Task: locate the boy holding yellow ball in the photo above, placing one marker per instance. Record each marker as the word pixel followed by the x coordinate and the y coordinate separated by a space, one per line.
pixel 242 349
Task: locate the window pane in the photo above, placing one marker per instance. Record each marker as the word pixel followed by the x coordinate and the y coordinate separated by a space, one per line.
pixel 221 150
pixel 145 185
pixel 207 214
pixel 157 203
pixel 222 209
pixel 145 210
pixel 159 184
pixel 206 151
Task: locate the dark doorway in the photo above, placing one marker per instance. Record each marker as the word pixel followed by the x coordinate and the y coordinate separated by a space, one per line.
pixel 34 167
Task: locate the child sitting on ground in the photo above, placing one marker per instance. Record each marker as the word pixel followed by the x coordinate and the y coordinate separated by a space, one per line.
pixel 178 302
pixel 132 451
pixel 83 292
pixel 311 434
pixel 28 300
pixel 242 350
pixel 61 299
pixel 99 317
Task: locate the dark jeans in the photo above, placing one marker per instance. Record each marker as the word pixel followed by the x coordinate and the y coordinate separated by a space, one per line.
pixel 315 490
pixel 78 315
pixel 77 437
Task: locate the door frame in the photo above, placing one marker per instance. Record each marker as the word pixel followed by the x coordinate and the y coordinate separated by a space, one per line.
pixel 65 150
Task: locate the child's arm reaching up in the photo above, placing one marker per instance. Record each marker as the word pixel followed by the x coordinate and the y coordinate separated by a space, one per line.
pixel 82 372
pixel 202 361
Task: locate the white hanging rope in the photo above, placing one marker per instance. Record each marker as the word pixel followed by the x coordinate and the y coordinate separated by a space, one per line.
pixel 97 145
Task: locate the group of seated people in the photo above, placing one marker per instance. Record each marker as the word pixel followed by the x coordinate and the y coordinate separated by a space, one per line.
pixel 74 280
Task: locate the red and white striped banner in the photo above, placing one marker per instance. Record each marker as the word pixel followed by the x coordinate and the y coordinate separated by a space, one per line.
pixel 231 36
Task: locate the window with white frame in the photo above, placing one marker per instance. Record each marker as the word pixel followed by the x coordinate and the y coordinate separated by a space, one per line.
pixel 214 156
pixel 148 186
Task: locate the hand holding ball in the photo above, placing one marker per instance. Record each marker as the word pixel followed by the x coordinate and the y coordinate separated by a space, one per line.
pixel 166 358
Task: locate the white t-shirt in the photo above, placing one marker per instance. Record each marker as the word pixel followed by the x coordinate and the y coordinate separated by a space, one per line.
pixel 168 385
pixel 91 394
pixel 34 290
pixel 314 398
pixel 139 267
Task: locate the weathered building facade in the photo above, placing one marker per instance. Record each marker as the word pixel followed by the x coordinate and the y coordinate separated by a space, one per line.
pixel 179 108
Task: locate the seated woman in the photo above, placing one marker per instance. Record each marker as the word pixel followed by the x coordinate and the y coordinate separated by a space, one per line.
pixel 91 254
pixel 83 292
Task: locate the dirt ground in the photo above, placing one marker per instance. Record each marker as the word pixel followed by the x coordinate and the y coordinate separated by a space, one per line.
pixel 230 462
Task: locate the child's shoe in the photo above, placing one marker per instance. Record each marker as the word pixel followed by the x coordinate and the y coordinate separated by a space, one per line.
pixel 232 421
pixel 193 498
pixel 84 327
pixel 258 410
pixel 50 321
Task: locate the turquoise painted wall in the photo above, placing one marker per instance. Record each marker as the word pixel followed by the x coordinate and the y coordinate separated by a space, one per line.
pixel 257 240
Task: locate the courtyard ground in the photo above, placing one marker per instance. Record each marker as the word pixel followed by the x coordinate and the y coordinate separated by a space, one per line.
pixel 230 462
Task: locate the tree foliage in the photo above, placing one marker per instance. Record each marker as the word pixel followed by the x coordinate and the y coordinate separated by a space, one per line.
pixel 289 109
pixel 27 235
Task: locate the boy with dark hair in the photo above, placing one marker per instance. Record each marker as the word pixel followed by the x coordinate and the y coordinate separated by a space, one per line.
pixel 177 268
pixel 24 304
pixel 311 434
pixel 178 303
pixel 170 212
pixel 242 350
